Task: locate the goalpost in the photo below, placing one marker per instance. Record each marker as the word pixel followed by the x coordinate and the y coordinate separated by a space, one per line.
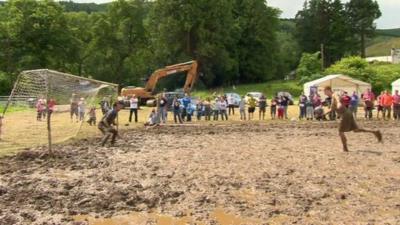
pixel 49 106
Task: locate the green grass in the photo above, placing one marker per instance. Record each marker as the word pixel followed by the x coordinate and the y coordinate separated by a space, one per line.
pixel 268 88
pixel 382 46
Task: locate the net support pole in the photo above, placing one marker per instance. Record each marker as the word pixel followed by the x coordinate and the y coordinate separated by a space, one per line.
pixel 48 114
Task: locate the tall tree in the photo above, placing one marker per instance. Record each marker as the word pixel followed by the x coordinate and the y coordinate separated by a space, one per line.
pixel 257 45
pixel 324 23
pixel 362 15
pixel 119 35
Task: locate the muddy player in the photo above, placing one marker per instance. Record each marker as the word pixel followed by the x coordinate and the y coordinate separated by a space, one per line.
pixel 347 123
pixel 108 123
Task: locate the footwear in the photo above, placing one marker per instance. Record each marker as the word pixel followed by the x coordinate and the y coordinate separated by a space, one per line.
pixel 378 136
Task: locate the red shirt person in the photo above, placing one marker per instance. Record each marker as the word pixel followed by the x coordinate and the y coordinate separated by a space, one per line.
pixel 387 102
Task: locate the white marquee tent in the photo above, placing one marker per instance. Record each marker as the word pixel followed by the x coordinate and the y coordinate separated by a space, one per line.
pixel 396 86
pixel 338 82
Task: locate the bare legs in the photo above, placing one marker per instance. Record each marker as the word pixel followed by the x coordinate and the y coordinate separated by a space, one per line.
pixel 342 135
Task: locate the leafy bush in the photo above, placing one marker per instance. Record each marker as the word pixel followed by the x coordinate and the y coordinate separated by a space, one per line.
pixel 5 84
pixel 309 67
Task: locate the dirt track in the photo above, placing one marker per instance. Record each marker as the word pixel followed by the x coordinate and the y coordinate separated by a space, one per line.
pixel 281 173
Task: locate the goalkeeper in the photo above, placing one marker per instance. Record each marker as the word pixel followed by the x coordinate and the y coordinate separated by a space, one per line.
pixel 108 123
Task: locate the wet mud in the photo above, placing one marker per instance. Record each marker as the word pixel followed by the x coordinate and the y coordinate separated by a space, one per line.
pixel 278 173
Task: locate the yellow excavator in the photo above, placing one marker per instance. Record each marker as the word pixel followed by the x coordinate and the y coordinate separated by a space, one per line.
pixel 147 95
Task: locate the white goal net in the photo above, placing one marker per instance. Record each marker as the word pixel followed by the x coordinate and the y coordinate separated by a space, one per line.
pixel 47 107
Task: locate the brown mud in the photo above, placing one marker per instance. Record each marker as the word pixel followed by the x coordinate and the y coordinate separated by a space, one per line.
pixel 279 173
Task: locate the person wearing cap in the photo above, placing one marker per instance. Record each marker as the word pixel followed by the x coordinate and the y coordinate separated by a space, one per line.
pixel 108 122
pixel 347 123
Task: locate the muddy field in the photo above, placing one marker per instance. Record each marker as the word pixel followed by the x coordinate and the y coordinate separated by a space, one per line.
pixel 276 173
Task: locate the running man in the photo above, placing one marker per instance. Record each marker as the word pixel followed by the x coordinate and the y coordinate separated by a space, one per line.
pixel 107 123
pixel 347 123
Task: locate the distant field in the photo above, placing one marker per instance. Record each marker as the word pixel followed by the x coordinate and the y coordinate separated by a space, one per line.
pixel 383 45
pixel 268 88
pixel 383 42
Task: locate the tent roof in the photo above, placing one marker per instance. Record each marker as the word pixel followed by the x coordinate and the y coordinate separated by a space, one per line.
pixel 396 82
pixel 336 76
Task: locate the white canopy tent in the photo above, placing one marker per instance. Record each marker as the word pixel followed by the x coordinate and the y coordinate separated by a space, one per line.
pixel 338 82
pixel 396 86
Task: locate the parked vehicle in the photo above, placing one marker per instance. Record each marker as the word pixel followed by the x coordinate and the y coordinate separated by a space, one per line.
pixel 287 95
pixel 236 98
pixel 255 95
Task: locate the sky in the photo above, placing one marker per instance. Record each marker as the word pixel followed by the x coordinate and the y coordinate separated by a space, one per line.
pixel 390 10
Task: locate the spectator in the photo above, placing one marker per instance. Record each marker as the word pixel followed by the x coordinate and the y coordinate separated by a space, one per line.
pixel 309 109
pixel 262 105
pixel 215 107
pixel 92 116
pixel 274 104
pixel 189 112
pixel 396 105
pixel 281 108
pixel 231 104
pixel 252 107
pixel 176 105
pixel 199 110
pixel 242 108
pixel 207 109
pixel 104 105
pixel 40 109
pixel 133 105
pixel 153 119
pixel 302 106
pixel 81 109
pixel 185 102
pixel 379 104
pixel 387 102
pixel 74 107
pixel 223 108
pixel 345 99
pixel 162 108
pixel 285 105
pixel 369 99
pixel 354 101
pixel 51 106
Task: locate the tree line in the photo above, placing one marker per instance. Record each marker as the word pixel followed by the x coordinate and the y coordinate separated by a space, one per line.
pixel 233 40
pixel 336 29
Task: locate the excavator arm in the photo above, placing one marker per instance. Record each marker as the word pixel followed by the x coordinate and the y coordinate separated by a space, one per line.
pixel 189 67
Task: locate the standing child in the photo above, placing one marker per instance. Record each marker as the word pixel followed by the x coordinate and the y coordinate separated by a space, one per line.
pixel 92 116
pixel 274 103
pixel 223 108
pixel 40 108
pixel 81 109
pixel 281 108
pixel 242 108
pixel 262 105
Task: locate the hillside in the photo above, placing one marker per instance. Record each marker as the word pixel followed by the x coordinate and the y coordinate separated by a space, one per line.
pixel 385 40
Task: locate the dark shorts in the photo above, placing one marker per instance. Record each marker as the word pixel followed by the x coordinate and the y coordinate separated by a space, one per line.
pixel 348 123
pixel 262 109
pixel 252 109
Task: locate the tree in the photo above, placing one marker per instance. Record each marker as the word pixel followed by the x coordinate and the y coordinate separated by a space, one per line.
pixel 309 67
pixel 257 46
pixel 324 24
pixel 119 36
pixel 362 15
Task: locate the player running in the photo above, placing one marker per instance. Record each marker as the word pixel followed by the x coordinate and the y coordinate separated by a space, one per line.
pixel 347 123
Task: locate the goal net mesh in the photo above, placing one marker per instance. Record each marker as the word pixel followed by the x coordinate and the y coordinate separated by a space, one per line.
pixel 67 99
